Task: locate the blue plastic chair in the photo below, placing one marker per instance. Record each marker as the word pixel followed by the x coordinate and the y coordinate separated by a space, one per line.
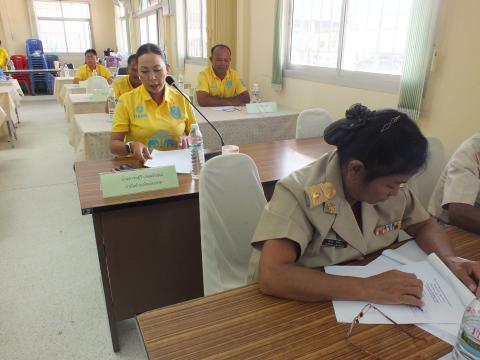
pixel 34 46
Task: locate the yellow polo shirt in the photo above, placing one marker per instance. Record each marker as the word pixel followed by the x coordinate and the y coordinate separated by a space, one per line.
pixel 122 85
pixel 230 86
pixel 3 58
pixel 84 72
pixel 156 126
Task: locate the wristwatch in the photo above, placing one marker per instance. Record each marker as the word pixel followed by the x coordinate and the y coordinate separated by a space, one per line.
pixel 128 147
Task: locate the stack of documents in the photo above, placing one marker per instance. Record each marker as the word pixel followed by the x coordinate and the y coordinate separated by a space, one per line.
pixel 445 297
pixel 180 158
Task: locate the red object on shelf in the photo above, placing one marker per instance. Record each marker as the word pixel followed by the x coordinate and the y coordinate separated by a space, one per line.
pixel 20 63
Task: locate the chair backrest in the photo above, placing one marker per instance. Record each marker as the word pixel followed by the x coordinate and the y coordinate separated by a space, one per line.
pixel 96 83
pixel 34 46
pixel 231 202
pixel 312 122
pixel 423 183
pixel 19 61
pixel 122 71
pixel 50 60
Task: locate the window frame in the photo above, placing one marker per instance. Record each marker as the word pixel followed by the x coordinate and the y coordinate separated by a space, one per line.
pixel 195 60
pixel 386 83
pixel 119 19
pixel 145 15
pixel 62 19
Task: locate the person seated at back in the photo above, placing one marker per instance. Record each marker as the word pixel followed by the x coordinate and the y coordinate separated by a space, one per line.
pixel 456 197
pixel 3 57
pixel 85 71
pixel 219 84
pixel 123 84
pixel 152 116
pixel 351 202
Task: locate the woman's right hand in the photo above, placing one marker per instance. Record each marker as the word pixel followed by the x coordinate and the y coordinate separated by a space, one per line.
pixel 394 287
pixel 140 152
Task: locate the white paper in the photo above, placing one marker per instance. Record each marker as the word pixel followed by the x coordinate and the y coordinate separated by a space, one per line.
pixel 393 258
pixel 441 304
pixel 226 108
pixel 180 158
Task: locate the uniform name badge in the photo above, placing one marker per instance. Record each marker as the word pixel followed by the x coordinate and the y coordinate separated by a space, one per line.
pixel 382 230
pixel 338 243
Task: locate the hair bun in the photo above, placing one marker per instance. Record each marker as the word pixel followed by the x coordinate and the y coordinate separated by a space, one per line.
pixel 341 132
pixel 357 111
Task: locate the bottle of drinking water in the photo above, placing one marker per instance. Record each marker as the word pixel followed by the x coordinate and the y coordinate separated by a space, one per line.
pixel 66 71
pixel 195 142
pixel 468 339
pixel 111 104
pixel 255 93
pixel 94 73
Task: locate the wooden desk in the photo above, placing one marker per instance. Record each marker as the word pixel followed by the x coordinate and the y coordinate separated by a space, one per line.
pixel 154 237
pixel 243 323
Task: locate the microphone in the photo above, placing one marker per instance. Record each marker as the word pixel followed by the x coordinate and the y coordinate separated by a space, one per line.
pixel 170 80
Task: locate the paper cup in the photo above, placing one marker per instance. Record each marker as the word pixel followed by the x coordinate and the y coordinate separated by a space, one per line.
pixel 229 149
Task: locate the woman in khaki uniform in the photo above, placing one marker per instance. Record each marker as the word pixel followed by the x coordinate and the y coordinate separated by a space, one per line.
pixel 349 203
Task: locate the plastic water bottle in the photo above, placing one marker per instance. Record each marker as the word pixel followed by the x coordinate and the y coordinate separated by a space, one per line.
pixel 111 104
pixel 66 71
pixel 255 93
pixel 468 339
pixel 195 142
pixel 10 65
pixel 94 73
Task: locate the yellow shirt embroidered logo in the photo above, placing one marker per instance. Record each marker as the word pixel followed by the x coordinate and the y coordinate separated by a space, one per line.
pixel 320 193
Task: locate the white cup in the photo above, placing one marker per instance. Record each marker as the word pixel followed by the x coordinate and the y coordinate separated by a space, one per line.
pixel 230 149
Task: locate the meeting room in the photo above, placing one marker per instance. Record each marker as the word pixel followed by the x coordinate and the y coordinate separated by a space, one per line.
pixel 274 179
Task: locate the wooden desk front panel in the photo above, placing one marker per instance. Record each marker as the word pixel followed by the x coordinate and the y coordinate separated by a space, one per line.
pixel 153 255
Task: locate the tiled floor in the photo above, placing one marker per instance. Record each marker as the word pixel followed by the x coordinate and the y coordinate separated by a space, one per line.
pixel 51 297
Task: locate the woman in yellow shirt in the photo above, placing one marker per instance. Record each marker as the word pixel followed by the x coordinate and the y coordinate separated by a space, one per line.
pixel 152 116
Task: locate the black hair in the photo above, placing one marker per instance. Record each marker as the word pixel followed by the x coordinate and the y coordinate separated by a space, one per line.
pixel 387 142
pixel 91 51
pixel 219 46
pixel 131 58
pixel 150 48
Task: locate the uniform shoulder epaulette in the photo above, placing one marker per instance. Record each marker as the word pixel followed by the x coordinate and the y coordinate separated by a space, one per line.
pixel 319 193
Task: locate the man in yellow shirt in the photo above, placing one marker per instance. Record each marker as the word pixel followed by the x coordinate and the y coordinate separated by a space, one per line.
pixel 124 84
pixel 3 57
pixel 220 85
pixel 85 71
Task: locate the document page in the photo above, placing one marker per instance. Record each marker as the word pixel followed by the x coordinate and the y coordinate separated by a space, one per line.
pixel 441 303
pixel 179 158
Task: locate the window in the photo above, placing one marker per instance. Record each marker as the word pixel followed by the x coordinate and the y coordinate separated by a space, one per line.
pixel 63 26
pixel 196 16
pixel 145 4
pixel 148 28
pixel 122 28
pixel 343 36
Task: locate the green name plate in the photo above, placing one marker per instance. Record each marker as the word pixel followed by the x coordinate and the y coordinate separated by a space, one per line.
pixel 135 181
pixel 263 107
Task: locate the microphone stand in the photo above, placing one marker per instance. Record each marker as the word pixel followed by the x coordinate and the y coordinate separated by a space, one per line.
pixel 170 81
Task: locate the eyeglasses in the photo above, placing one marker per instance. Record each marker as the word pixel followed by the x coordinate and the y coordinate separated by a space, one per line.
pixel 356 320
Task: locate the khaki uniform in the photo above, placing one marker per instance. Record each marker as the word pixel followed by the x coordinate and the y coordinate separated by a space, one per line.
pixel 459 181
pixel 309 208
